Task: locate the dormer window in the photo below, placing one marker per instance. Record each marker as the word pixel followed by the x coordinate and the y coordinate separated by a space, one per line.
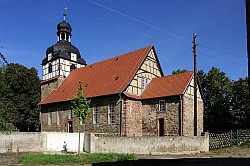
pixel 73 57
pixel 49 56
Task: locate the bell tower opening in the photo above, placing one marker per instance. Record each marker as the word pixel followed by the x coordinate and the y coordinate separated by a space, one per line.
pixel 72 67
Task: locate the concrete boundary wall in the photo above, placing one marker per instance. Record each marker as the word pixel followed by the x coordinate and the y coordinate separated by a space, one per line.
pixel 39 142
pixel 54 141
pixel 149 145
pixel 22 141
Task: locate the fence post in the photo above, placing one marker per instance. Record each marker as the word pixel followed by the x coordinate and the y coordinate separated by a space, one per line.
pixel 231 138
pixel 237 137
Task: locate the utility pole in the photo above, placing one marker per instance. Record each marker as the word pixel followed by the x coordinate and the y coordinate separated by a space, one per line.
pixel 248 40
pixel 195 86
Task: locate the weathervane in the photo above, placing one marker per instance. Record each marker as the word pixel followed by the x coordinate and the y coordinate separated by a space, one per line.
pixel 64 13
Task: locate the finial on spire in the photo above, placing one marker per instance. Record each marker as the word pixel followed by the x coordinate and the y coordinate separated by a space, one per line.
pixel 64 13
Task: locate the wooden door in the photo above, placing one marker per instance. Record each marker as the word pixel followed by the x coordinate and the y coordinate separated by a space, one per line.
pixel 161 127
pixel 70 127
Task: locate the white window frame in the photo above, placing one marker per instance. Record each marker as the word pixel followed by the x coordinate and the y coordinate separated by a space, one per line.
pixel 49 118
pixel 58 118
pixel 69 114
pixel 95 115
pixel 162 105
pixel 111 113
pixel 144 82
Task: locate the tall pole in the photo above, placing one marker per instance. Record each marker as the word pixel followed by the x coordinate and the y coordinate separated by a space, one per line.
pixel 248 40
pixel 195 86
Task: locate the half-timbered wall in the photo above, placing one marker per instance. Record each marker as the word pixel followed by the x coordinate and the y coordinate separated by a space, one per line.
pixel 149 69
pixel 188 110
pixel 190 90
pixel 60 67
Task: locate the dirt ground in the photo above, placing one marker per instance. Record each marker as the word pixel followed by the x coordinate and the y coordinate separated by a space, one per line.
pixel 230 152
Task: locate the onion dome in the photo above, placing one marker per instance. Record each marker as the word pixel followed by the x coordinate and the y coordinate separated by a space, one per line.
pixel 64 27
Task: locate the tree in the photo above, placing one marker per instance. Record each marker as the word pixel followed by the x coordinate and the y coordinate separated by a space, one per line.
pixel 216 87
pixel 240 106
pixel 20 97
pixel 3 126
pixel 80 107
pixel 226 102
pixel 179 71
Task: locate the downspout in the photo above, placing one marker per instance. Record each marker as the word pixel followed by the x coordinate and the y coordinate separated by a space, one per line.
pixel 181 118
pixel 121 104
pixel 40 117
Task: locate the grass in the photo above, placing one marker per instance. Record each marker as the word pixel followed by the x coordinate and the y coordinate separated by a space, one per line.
pixel 245 144
pixel 83 158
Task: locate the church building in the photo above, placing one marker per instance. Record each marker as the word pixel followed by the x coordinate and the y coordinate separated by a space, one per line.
pixel 130 96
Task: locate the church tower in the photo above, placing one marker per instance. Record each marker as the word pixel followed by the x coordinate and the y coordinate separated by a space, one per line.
pixel 61 59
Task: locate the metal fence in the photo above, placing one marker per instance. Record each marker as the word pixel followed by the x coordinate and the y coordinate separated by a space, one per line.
pixel 223 139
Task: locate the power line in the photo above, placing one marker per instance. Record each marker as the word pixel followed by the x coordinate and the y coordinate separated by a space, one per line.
pixel 121 26
pixel 227 53
pixel 158 17
pixel 220 59
pixel 177 57
pixel 135 19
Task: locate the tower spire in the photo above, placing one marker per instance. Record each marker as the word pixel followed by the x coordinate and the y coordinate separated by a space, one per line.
pixel 64 13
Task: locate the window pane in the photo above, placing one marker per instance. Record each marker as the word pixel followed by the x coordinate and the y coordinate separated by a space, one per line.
pixel 69 114
pixel 111 110
pixel 95 115
pixel 58 118
pixel 144 82
pixel 162 105
pixel 49 118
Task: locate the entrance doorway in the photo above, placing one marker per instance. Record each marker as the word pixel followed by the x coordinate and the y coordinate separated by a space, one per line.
pixel 70 127
pixel 161 127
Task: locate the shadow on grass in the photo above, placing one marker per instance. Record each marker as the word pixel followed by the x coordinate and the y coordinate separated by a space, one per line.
pixel 180 162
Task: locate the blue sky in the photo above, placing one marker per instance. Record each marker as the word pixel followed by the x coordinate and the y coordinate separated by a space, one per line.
pixel 106 28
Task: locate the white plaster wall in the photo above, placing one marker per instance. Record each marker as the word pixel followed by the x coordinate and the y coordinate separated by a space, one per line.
pixel 55 141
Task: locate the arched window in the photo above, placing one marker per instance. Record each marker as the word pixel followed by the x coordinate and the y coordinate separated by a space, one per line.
pixel 50 68
pixel 72 67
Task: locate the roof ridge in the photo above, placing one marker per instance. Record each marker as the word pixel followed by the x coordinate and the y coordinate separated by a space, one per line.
pixel 124 54
pixel 171 75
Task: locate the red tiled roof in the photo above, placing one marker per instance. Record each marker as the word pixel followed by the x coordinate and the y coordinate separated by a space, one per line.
pixel 107 77
pixel 167 86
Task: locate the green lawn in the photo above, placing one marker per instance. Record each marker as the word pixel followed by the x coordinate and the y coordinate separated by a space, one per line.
pixel 82 158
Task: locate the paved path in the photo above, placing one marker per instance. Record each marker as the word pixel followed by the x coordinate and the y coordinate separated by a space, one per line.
pixel 8 159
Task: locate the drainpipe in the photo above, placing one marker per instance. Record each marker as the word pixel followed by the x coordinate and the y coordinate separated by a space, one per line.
pixel 121 103
pixel 181 119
